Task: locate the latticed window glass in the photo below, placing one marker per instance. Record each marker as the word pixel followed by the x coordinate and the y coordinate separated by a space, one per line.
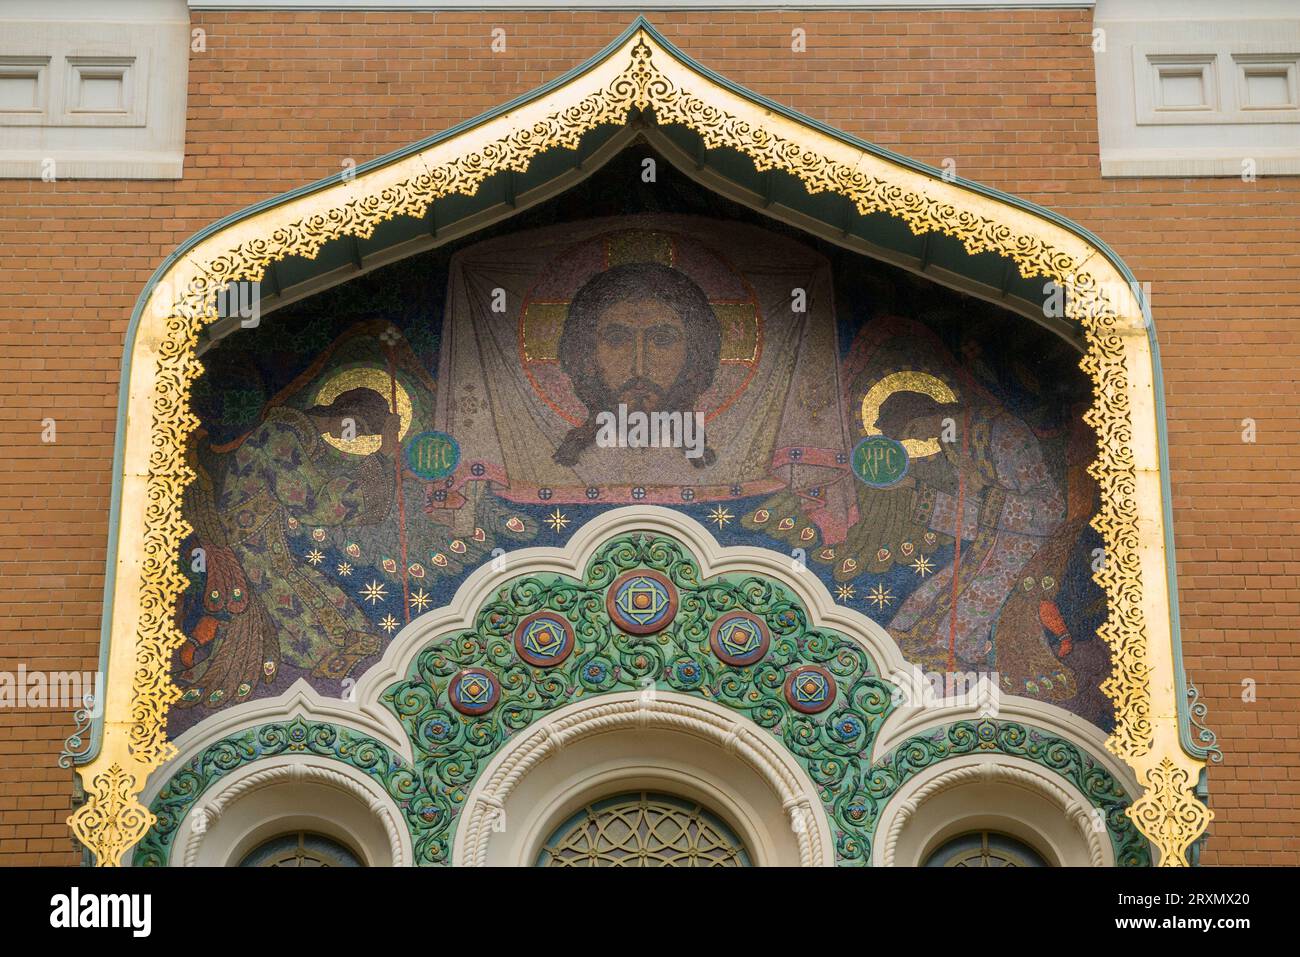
pixel 301 849
pixel 644 829
pixel 985 849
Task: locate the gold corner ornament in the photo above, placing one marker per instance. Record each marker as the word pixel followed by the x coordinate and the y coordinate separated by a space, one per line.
pixel 1169 813
pixel 112 819
pixel 642 74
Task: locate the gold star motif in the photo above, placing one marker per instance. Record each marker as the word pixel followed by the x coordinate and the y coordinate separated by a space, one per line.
pixel 388 623
pixel 420 600
pixel 881 597
pixel 344 568
pixel 845 592
pixel 315 556
pixel 923 566
pixel 720 516
pixel 374 593
pixel 557 520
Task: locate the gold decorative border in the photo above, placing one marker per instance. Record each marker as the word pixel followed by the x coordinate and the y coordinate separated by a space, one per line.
pixel 642 73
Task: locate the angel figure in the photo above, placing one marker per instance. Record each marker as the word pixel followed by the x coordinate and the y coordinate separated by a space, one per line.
pixel 262 605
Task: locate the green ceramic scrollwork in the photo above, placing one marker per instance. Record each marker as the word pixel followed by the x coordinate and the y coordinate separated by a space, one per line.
pixel 451 749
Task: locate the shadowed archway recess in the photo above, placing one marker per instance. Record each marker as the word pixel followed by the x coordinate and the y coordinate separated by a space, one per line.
pixel 963 235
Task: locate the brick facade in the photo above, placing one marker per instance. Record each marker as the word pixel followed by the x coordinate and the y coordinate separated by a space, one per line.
pixel 281 99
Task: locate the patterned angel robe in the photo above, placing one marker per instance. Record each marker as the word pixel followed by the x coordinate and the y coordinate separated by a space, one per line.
pixel 284 470
pixel 773 414
pixel 1001 530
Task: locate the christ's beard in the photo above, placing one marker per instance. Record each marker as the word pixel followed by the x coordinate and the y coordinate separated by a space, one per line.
pixel 641 395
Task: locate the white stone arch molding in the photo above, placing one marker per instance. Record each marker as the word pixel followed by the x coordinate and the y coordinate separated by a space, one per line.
pixel 994 792
pixel 1058 819
pixel 300 701
pixel 792 806
pixel 284 793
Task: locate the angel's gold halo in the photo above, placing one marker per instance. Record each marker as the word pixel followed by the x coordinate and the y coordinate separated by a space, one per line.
pixel 907 381
pixel 366 377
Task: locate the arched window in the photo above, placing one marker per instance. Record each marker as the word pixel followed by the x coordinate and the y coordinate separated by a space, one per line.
pixel 301 849
pixel 644 829
pixel 985 849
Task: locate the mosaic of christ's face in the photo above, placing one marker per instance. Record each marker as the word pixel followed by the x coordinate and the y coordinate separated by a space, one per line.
pixel 641 349
pixel 642 334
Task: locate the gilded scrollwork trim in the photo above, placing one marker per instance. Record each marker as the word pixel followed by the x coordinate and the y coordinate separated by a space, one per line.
pixel 1169 810
pixel 112 819
pixel 651 77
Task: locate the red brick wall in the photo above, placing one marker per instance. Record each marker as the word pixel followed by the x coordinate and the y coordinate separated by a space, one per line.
pixel 280 99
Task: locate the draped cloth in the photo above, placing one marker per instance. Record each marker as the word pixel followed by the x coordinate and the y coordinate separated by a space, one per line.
pixel 773 416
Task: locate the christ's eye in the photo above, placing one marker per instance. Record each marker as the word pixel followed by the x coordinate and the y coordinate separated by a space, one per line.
pixel 616 336
pixel 665 337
